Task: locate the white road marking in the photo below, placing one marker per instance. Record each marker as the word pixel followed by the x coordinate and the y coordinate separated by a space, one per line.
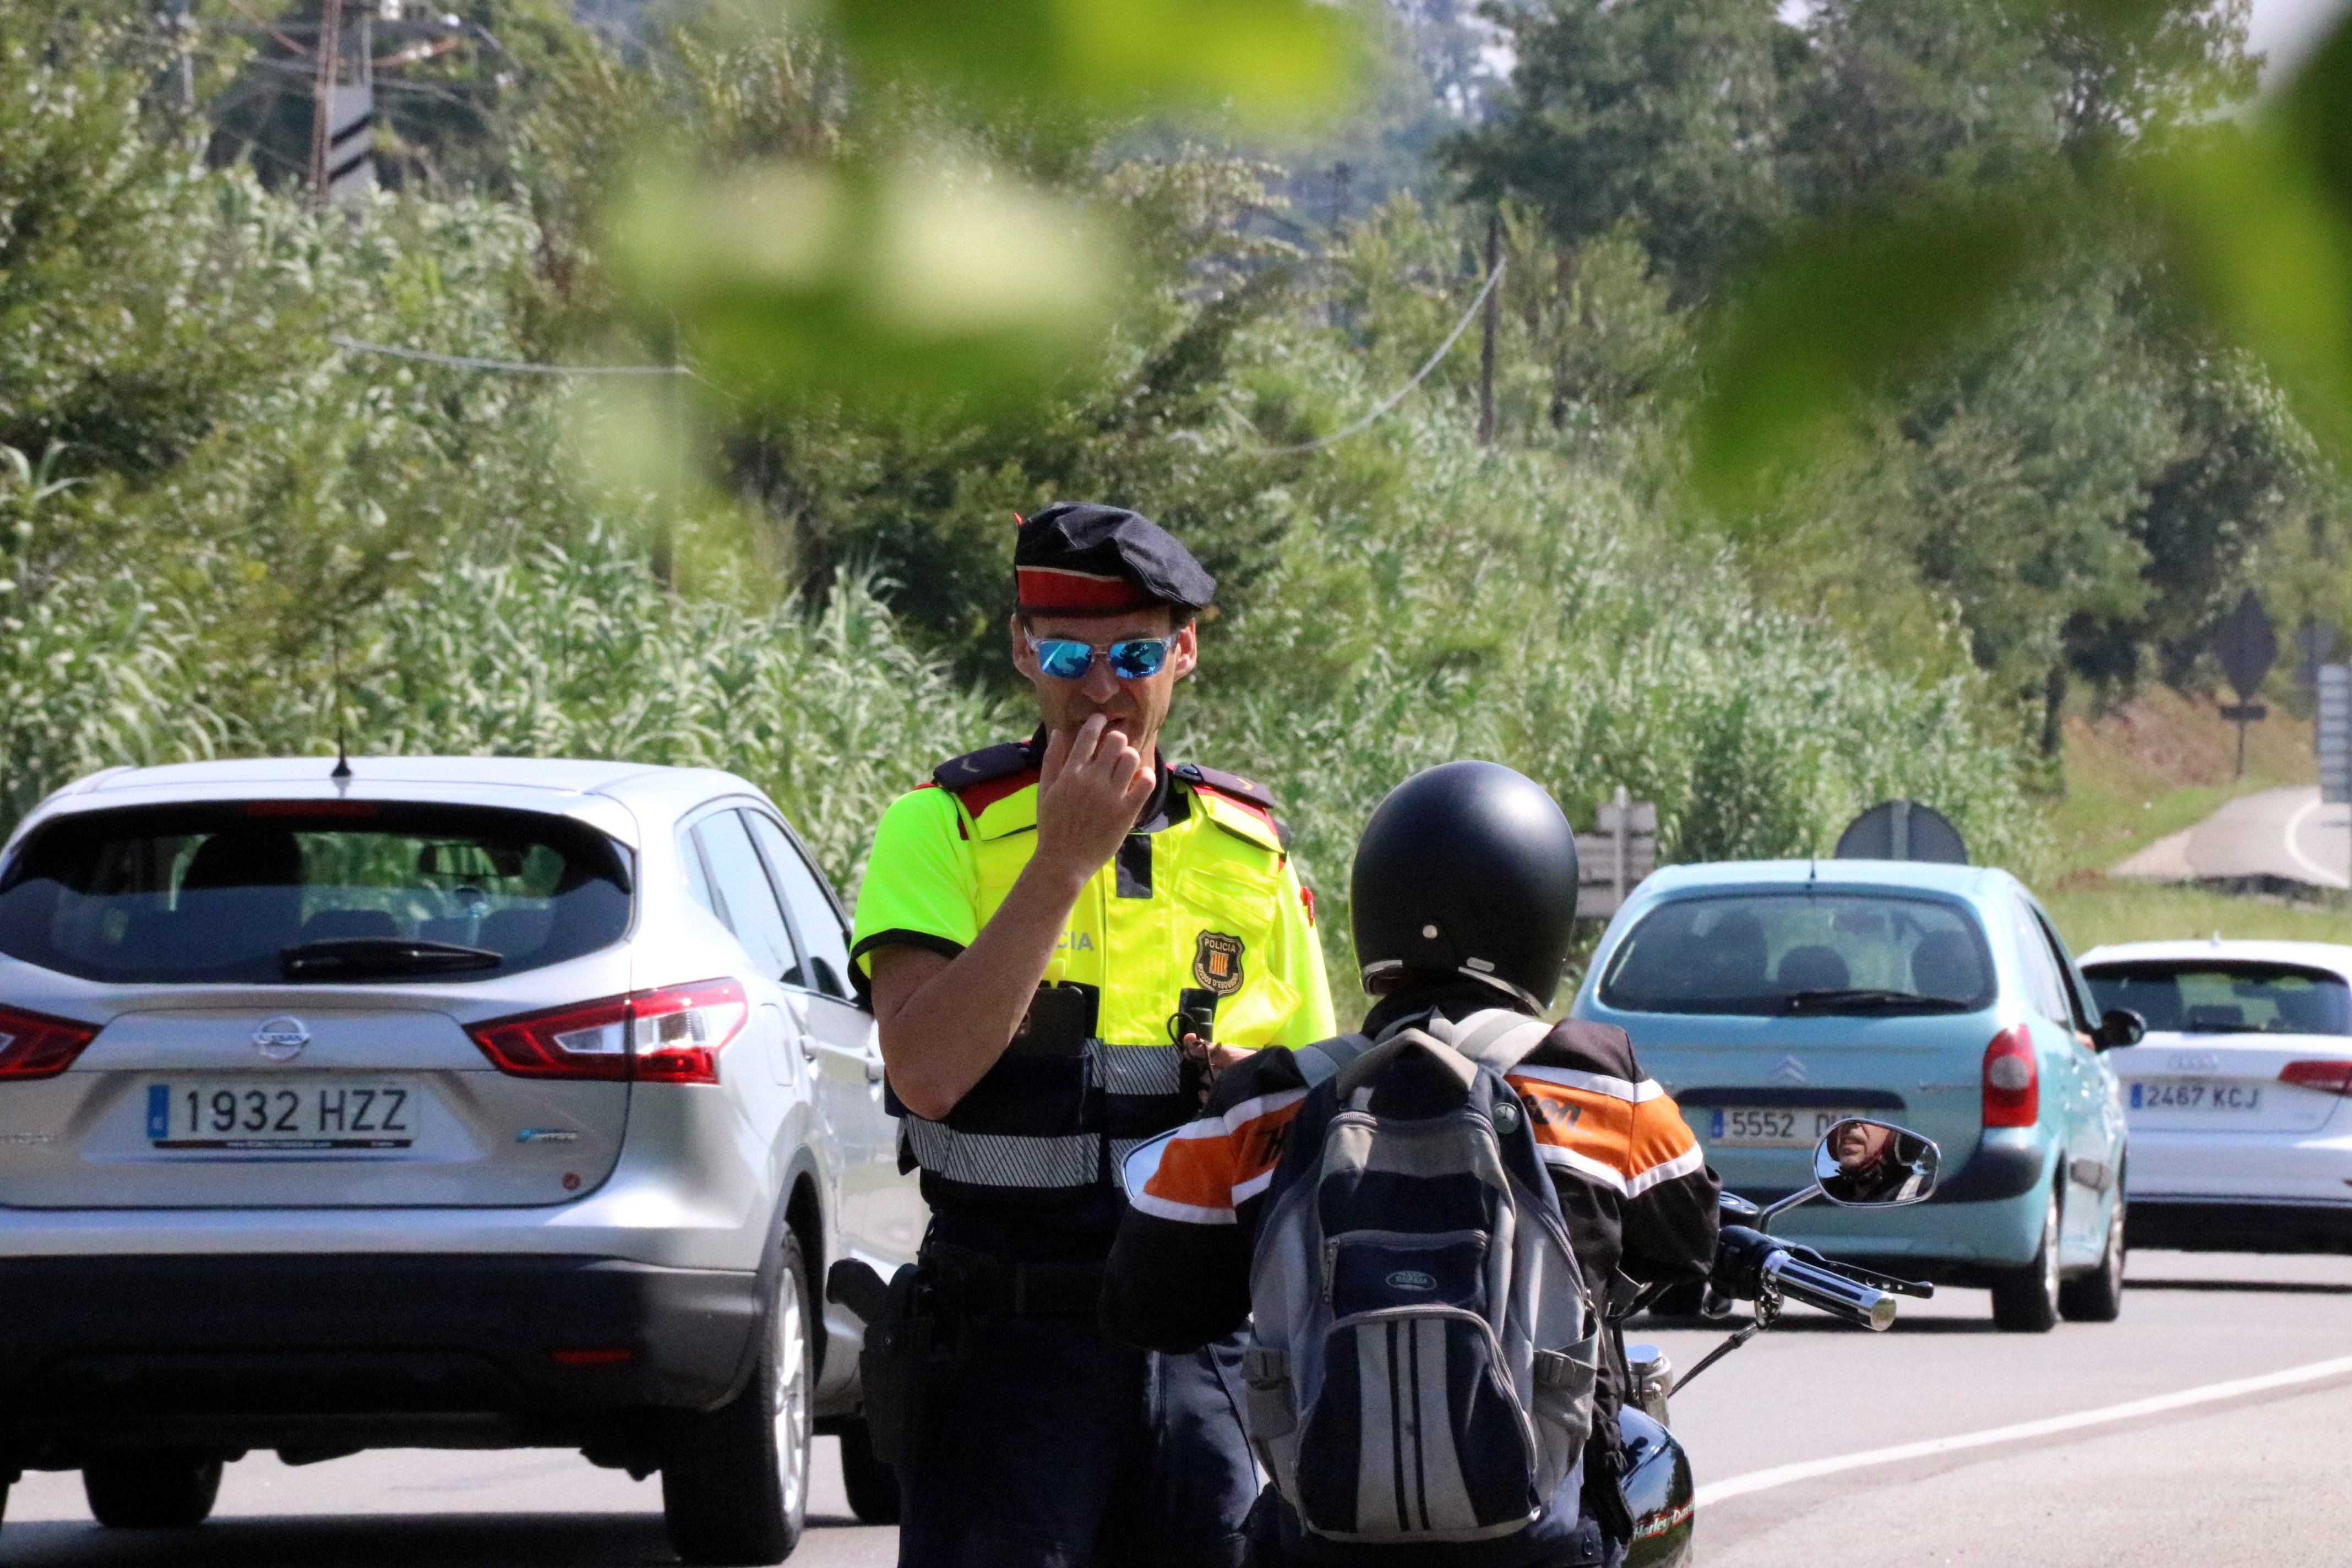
pixel 1787 1475
pixel 2319 874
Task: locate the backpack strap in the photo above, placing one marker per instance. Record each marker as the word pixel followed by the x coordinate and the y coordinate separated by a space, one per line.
pixel 1356 1078
pixel 1327 1057
pixel 1494 1036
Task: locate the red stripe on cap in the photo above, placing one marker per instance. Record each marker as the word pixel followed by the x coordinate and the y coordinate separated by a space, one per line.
pixel 1058 588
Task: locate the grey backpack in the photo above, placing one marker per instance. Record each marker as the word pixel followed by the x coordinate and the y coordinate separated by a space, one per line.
pixel 1423 1350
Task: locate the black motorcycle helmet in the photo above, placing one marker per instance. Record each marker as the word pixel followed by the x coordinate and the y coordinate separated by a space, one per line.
pixel 1467 869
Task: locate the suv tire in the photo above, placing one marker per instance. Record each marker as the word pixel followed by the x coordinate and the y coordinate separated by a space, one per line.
pixel 735 1479
pixel 151 1489
pixel 872 1485
pixel 2098 1297
pixel 2025 1301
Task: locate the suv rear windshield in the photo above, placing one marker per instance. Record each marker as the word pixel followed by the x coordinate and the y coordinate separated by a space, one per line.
pixel 2206 998
pixel 281 891
pixel 1796 953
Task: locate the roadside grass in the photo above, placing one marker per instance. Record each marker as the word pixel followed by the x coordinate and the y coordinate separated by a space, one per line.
pixel 2157 767
pixel 2094 910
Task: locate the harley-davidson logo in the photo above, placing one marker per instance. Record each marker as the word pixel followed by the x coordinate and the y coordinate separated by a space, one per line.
pixel 1217 962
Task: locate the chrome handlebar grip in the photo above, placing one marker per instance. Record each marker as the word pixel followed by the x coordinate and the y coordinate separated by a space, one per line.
pixel 1833 1293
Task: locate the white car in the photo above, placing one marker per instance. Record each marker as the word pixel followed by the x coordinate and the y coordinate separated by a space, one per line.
pixel 465 1102
pixel 2240 1097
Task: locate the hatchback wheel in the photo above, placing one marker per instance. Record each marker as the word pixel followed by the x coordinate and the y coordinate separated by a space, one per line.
pixel 735 1480
pixel 2098 1297
pixel 2025 1301
pixel 873 1486
pixel 151 1488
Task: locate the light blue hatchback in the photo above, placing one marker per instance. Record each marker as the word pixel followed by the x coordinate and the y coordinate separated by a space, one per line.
pixel 1774 997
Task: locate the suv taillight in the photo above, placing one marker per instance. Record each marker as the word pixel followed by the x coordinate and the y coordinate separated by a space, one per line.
pixel 2012 1080
pixel 35 1046
pixel 2328 1077
pixel 670 1036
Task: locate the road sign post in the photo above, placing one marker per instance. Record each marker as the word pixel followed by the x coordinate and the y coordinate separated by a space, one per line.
pixel 2333 736
pixel 1612 862
pixel 2248 648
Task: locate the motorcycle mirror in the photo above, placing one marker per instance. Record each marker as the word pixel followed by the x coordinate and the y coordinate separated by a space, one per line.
pixel 2120 1027
pixel 1862 1163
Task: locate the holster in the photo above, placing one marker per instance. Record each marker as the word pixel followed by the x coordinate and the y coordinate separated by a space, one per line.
pixel 910 1350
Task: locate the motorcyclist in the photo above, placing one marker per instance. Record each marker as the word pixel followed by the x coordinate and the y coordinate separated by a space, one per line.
pixel 1463 897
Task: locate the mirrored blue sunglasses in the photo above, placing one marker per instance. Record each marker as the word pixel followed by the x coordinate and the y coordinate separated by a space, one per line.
pixel 1131 658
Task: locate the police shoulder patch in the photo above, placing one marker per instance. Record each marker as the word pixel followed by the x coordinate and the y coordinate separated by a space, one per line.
pixel 981 778
pixel 1253 799
pixel 1230 784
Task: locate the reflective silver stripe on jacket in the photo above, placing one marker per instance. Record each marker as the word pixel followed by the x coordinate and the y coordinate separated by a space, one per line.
pixel 1139 1070
pixel 1003 1159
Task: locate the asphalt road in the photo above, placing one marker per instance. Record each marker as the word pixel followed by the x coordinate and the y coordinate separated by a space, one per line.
pixel 2253 1476
pixel 2283 834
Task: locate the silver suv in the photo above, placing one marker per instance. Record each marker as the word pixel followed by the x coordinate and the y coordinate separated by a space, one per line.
pixel 466 1102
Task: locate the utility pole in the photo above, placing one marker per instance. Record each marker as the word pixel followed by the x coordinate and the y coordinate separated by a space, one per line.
pixel 1487 338
pixel 322 95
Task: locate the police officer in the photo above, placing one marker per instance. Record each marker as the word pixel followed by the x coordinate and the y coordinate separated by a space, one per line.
pixel 1044 928
pixel 1462 898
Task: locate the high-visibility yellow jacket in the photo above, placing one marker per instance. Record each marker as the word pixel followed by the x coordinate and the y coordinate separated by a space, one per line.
pixel 1203 897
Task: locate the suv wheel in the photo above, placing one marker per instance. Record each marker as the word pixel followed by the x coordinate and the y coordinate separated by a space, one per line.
pixel 151 1488
pixel 873 1486
pixel 2098 1297
pixel 735 1480
pixel 2025 1301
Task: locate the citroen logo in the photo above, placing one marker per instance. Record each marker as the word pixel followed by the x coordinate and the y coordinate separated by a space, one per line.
pixel 1788 1069
pixel 281 1039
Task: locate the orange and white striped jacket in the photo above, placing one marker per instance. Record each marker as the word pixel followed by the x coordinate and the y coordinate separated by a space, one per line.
pixel 1632 1181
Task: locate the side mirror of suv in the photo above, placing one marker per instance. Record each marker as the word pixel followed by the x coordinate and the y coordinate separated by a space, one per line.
pixel 2120 1027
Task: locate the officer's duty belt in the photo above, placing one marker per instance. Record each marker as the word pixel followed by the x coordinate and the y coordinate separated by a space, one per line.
pixel 985 1286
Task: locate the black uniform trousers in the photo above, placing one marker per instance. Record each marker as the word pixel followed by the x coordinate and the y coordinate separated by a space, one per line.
pixel 1054 1445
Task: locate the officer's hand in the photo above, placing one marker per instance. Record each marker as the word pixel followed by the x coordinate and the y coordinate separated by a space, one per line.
pixel 1088 790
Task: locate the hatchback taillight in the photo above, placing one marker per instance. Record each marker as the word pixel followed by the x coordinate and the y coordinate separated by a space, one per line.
pixel 33 1045
pixel 2013 1079
pixel 670 1036
pixel 2328 1077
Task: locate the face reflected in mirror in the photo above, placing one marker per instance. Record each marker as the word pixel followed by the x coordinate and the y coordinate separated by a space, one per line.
pixel 1861 1161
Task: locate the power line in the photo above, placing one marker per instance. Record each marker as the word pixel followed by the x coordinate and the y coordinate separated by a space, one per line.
pixel 507 366
pixel 1420 376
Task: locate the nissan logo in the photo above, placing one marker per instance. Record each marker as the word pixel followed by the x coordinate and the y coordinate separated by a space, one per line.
pixel 281 1039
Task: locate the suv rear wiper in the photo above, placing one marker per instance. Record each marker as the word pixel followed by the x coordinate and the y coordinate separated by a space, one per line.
pixel 364 957
pixel 1868 999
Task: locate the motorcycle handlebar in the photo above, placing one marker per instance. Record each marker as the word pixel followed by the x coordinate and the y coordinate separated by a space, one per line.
pixel 1833 1293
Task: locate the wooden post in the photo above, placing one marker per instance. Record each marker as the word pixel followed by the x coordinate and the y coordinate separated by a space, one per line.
pixel 1624 842
pixel 1486 340
pixel 330 48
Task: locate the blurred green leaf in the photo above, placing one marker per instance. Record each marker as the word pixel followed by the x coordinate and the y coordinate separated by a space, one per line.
pixel 1261 58
pixel 2252 235
pixel 1842 308
pixel 789 281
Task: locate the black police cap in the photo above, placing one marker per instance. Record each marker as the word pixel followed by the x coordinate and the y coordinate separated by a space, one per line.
pixel 1081 557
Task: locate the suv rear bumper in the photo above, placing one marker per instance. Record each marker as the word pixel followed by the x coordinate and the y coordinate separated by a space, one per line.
pixel 329 1350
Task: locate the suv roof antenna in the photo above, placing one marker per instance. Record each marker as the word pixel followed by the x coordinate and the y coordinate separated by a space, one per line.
pixel 342 774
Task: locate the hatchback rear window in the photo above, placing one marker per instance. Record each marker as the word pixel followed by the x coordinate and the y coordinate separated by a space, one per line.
pixel 2205 997
pixel 311 892
pixel 1793 953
